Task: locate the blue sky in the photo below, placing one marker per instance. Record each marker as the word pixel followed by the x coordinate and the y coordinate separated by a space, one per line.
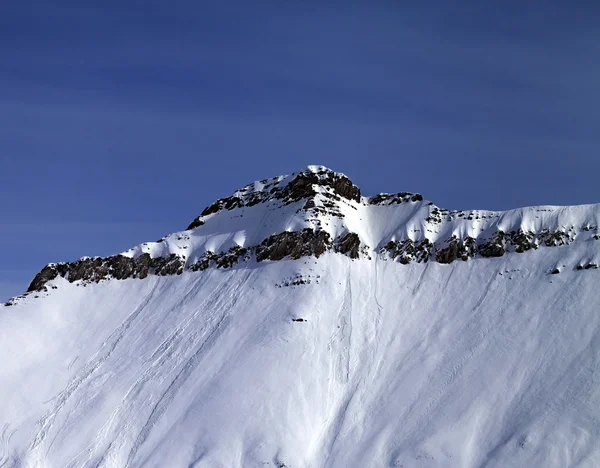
pixel 121 120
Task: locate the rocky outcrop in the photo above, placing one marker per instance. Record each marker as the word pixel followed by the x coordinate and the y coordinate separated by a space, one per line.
pixel 554 238
pixel 117 267
pixel 228 203
pixel 349 244
pixel 226 259
pixel 308 242
pixel 165 266
pixel 293 245
pixel 303 186
pixel 521 240
pixel 395 198
pixel 457 249
pixel 209 258
pixel 342 186
pixel 494 247
pixel 195 223
pixel 48 273
pixel 407 250
pixel 299 188
pixel 437 215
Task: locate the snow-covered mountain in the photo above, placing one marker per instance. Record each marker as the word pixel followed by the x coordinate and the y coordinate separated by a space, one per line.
pixel 299 323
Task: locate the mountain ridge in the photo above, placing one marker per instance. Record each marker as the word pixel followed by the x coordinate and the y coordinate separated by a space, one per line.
pixel 325 211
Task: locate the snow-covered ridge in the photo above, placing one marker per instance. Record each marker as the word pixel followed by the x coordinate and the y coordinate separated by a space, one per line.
pixel 318 210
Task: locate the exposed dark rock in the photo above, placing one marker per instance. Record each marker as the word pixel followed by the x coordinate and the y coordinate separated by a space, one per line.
pixel 380 199
pixel 142 266
pixel 467 248
pixel 205 261
pixel 556 271
pixel 216 206
pixel 195 223
pixel 293 244
pixel 494 247
pixel 165 266
pixel 231 257
pixel 117 266
pixel 310 203
pixel 390 198
pixel 48 273
pixel 89 269
pixel 423 250
pixel 227 203
pixel 448 254
pixel 435 215
pixel 590 266
pixel 417 197
pixel 406 251
pixel 300 187
pixel 521 240
pixel 254 199
pixel 345 188
pixel 555 238
pixel 286 244
pixel 349 245
pixel 456 249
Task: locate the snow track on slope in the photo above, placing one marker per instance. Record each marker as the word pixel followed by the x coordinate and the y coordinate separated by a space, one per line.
pixel 47 421
pixel 197 331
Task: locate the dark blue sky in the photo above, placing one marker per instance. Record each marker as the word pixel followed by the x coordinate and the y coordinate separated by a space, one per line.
pixel 121 120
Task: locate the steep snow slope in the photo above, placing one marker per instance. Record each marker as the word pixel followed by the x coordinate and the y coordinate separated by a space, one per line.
pixel 492 361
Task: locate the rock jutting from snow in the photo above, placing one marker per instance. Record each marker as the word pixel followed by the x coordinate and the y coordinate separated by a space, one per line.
pixel 117 267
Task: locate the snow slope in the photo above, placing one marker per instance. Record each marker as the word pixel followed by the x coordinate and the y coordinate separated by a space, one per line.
pixel 492 361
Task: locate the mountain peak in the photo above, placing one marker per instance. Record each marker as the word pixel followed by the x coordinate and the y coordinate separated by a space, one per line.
pixel 317 210
pixel 308 184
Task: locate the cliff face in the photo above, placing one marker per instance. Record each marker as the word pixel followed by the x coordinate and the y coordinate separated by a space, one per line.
pixel 317 211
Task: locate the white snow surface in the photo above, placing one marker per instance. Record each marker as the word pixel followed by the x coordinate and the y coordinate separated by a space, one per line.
pixel 491 362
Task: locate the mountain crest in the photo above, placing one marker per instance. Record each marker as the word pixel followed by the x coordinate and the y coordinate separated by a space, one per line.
pixel 317 210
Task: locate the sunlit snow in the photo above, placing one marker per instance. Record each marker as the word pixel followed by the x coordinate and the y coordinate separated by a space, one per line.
pixel 490 362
